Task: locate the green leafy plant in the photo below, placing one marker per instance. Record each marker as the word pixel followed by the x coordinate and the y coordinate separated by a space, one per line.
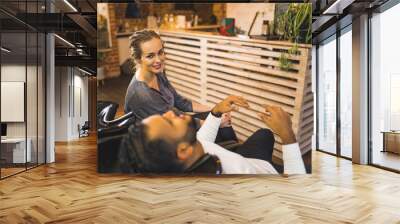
pixel 284 62
pixel 294 25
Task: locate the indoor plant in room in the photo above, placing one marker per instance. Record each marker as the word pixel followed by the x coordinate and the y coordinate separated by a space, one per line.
pixel 294 25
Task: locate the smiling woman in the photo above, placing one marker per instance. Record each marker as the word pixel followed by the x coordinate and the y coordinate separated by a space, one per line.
pixel 145 46
pixel 150 92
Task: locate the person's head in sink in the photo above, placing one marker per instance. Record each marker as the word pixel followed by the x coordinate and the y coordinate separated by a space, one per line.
pixel 169 143
pixel 162 144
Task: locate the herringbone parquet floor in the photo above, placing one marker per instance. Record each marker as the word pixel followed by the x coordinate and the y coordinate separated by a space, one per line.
pixel 70 191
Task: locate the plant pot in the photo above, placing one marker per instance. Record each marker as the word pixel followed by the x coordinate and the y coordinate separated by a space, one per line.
pixel 273 37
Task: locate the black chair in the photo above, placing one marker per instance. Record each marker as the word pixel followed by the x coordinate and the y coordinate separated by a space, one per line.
pixel 103 104
pixel 109 138
pixel 84 130
pixel 105 110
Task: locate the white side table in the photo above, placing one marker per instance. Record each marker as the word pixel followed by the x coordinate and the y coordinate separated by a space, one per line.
pixel 18 149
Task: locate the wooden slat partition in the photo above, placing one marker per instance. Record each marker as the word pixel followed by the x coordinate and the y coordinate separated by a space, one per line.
pixel 207 68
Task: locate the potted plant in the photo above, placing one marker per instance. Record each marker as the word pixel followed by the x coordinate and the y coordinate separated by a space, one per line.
pixel 294 25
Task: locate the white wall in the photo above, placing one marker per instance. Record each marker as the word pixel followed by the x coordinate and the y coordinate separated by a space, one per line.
pixel 33 126
pixel 80 100
pixel 71 93
pixel 61 103
pixel 12 73
pixel 244 14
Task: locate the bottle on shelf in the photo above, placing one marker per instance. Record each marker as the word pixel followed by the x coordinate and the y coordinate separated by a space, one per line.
pixel 196 20
pixel 171 21
pixel 265 28
pixel 164 24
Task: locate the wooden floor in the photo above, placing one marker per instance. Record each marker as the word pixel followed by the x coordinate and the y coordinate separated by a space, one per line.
pixel 71 191
pixel 10 171
pixel 387 159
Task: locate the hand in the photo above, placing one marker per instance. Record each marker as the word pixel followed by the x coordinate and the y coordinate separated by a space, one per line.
pixel 279 121
pixel 225 120
pixel 230 103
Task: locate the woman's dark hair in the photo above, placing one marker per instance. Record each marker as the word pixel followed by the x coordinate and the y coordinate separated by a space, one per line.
pixel 137 39
pixel 138 154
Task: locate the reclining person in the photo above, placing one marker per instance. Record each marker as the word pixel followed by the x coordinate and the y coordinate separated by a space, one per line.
pixel 169 144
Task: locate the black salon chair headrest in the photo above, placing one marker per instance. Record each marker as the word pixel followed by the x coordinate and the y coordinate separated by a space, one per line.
pixel 108 142
pixel 109 136
pixel 103 104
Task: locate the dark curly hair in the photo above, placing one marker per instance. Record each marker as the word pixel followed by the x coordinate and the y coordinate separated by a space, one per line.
pixel 138 154
pixel 139 37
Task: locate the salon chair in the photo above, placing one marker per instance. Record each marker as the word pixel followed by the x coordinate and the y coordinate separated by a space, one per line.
pixel 110 112
pixel 109 137
pixel 84 129
pixel 106 111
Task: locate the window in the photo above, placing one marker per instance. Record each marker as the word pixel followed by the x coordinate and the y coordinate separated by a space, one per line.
pixel 335 74
pixel 22 74
pixel 385 87
pixel 327 95
pixel 346 92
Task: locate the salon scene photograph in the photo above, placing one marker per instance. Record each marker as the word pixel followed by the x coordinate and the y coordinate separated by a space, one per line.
pixel 181 112
pixel 212 88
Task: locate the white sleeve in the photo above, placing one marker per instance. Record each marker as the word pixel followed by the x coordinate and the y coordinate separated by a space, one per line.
pixel 209 130
pixel 292 160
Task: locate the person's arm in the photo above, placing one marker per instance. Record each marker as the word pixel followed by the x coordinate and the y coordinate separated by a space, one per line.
pixel 280 123
pixel 199 108
pixel 292 160
pixel 209 130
